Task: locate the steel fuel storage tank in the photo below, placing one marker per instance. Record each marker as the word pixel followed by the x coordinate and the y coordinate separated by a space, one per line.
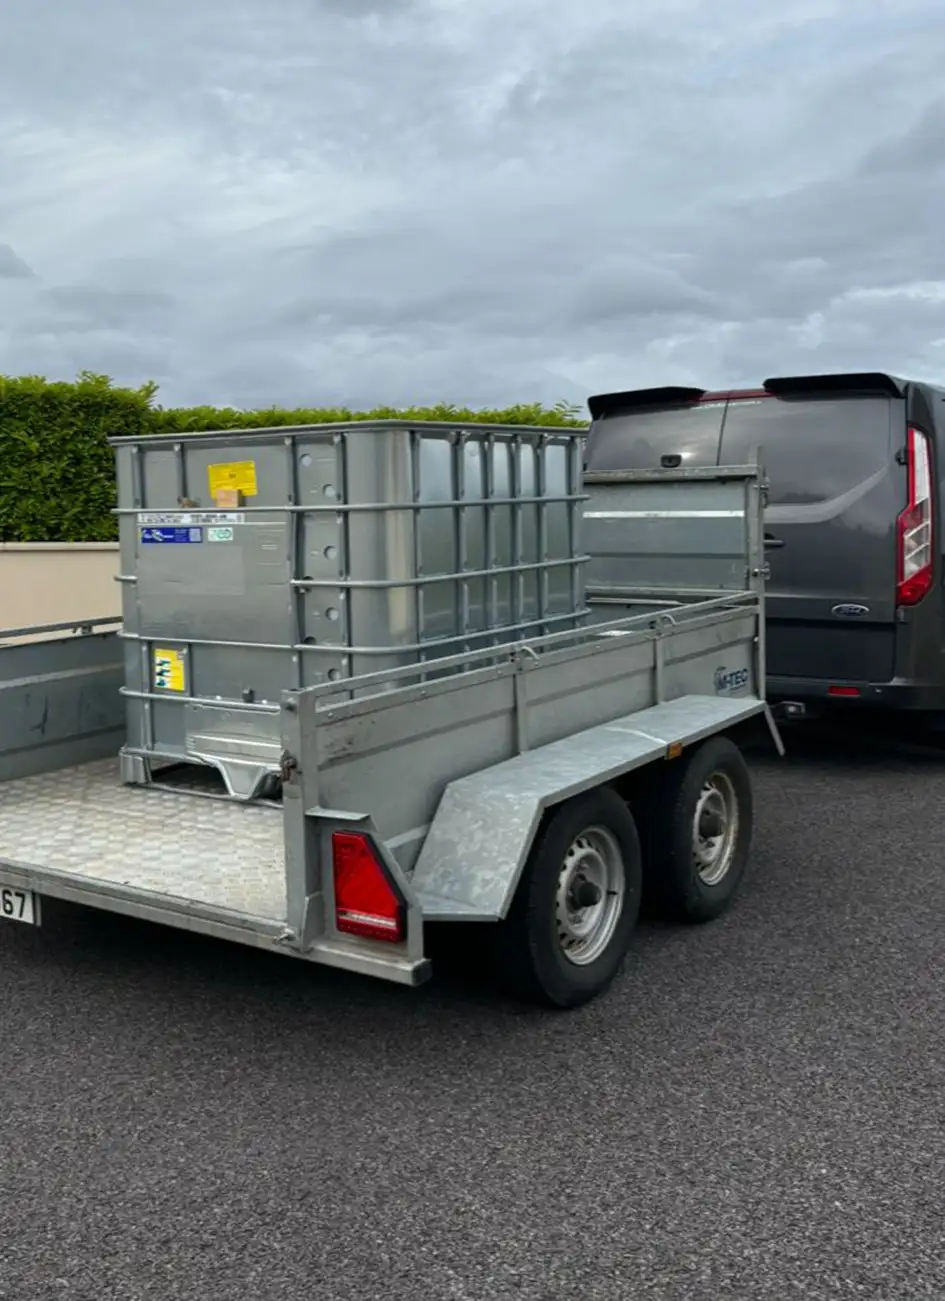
pixel 256 561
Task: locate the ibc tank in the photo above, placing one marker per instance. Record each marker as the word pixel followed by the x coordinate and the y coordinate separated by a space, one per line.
pixel 256 561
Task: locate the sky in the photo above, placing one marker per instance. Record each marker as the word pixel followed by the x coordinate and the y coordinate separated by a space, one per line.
pixel 362 202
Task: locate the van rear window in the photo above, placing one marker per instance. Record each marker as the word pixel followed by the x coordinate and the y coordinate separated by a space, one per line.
pixel 636 440
pixel 812 449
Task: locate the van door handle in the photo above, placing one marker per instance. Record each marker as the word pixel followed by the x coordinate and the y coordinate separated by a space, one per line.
pixel 772 543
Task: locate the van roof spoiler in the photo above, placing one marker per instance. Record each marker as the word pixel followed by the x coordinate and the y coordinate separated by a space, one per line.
pixel 865 382
pixel 605 404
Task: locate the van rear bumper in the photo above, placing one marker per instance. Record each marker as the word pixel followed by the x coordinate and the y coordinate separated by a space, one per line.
pixel 819 694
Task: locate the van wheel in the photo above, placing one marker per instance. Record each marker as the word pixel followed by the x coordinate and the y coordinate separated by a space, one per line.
pixel 570 923
pixel 696 832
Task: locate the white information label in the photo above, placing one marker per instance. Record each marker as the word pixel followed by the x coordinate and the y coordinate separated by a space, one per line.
pixel 183 519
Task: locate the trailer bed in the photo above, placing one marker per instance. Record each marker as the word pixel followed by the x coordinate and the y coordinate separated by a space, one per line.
pixel 83 823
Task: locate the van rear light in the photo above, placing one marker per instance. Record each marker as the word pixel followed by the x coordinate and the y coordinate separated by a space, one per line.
pixel 843 691
pixel 367 903
pixel 914 526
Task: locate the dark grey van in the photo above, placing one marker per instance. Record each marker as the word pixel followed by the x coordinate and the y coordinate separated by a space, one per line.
pixel 852 525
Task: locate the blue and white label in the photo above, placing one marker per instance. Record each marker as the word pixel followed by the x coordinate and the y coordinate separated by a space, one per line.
pixel 171 536
pixel 729 680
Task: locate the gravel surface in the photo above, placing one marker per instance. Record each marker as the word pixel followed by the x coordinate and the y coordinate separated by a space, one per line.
pixel 756 1110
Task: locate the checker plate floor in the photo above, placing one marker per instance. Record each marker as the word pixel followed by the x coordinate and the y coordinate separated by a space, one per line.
pixel 84 822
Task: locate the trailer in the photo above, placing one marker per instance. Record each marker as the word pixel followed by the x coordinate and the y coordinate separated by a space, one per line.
pixel 538 787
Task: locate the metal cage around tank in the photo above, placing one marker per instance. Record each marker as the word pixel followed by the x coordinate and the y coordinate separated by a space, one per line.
pixel 264 560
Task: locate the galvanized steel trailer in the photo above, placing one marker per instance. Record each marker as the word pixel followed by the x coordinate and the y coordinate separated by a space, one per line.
pixel 539 786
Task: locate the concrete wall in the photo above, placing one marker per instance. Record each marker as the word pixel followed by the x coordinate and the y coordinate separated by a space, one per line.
pixel 53 582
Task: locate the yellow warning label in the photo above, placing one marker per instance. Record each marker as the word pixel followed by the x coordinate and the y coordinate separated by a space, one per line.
pixel 169 671
pixel 239 476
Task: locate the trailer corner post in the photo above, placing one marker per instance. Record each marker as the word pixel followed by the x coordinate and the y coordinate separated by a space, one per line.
pixel 304 884
pixel 310 886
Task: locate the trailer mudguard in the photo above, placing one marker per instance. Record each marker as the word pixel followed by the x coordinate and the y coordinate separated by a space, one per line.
pixel 483 829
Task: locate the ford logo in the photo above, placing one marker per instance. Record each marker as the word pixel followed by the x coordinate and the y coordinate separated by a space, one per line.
pixel 848 610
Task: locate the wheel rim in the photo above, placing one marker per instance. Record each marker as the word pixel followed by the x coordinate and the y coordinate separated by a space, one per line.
pixel 592 865
pixel 715 829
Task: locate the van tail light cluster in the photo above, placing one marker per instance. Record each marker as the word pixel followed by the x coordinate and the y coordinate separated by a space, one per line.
pixel 914 526
pixel 367 901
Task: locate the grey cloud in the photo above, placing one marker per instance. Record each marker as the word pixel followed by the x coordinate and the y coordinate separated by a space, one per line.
pixel 920 148
pixel 108 308
pixel 13 267
pixel 361 8
pixel 618 290
pixel 358 201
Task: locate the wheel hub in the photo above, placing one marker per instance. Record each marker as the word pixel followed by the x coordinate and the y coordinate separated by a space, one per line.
pixel 715 829
pixel 589 897
pixel 711 824
pixel 584 894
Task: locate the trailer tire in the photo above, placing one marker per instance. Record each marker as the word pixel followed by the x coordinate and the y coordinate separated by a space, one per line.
pixel 558 945
pixel 696 832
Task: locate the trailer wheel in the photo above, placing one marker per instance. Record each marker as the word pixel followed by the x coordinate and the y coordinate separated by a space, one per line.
pixel 570 923
pixel 696 832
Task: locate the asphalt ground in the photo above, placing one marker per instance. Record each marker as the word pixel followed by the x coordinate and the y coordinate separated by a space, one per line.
pixel 757 1109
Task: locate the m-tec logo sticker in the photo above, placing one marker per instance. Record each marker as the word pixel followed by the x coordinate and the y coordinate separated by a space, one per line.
pixel 729 680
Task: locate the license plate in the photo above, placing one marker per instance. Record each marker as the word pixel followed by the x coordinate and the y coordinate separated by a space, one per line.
pixel 18 905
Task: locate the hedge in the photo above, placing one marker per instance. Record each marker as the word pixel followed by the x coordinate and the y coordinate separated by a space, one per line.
pixel 57 471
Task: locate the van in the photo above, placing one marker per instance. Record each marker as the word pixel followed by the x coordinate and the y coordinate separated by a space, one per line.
pixel 854 571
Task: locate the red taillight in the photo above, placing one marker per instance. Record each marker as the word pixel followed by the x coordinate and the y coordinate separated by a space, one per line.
pixel 914 526
pixel 366 900
pixel 843 691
